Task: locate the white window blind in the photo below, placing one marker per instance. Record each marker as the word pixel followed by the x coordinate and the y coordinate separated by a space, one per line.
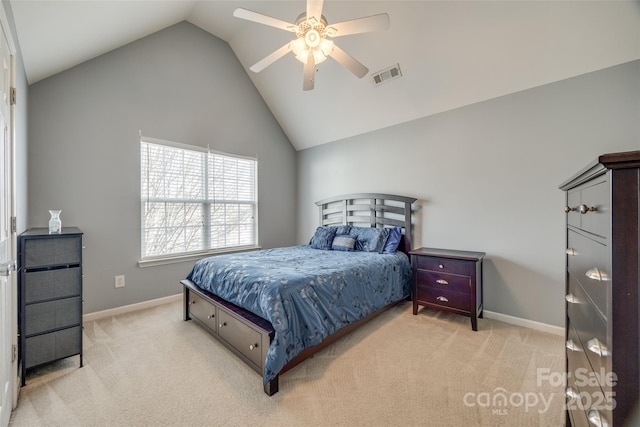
pixel 194 200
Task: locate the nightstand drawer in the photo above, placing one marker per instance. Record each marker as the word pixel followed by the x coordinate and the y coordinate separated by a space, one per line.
pixel 444 265
pixel 444 298
pixel 445 282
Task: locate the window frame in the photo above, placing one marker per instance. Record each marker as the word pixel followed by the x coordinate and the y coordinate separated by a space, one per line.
pixel 161 259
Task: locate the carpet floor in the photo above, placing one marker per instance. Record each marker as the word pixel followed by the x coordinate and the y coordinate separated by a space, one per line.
pixel 152 368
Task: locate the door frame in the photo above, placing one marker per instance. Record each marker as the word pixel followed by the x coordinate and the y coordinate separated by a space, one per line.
pixel 14 380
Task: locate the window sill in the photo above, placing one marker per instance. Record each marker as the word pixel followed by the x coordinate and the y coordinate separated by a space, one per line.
pixel 153 262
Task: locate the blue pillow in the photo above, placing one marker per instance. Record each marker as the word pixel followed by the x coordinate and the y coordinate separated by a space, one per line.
pixel 341 229
pixel 369 239
pixel 343 242
pixel 391 245
pixel 323 238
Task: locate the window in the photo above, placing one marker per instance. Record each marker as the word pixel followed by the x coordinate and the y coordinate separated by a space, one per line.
pixel 194 200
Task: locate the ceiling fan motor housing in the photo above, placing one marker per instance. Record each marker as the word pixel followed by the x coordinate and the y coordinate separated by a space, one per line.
pixel 311 39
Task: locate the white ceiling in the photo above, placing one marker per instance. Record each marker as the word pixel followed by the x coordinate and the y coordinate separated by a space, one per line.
pixel 451 53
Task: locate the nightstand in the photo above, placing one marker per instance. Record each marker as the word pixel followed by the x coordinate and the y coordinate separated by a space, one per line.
pixel 448 280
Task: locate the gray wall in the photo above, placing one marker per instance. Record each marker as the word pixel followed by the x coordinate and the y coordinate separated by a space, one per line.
pixel 180 84
pixel 486 177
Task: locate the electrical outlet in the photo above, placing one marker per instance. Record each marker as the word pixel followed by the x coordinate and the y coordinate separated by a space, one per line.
pixel 120 281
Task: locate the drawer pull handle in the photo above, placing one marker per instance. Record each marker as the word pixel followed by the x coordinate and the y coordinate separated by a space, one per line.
pixel 570 345
pixel 571 251
pixel 222 325
pixel 597 419
pixel 597 274
pixel 440 266
pixel 571 393
pixel 568 209
pixel 572 299
pixel 211 316
pixel 253 346
pixel 443 299
pixel 584 209
pixel 192 302
pixel 594 345
pixel 442 282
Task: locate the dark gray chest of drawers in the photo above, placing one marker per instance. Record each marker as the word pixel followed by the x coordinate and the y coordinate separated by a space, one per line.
pixel 602 283
pixel 50 296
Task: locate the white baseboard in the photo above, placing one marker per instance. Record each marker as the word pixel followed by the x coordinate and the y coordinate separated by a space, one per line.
pixel 531 324
pixel 129 308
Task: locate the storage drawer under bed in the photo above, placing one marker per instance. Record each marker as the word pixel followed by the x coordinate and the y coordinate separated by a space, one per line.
pixel 203 310
pixel 242 332
pixel 243 338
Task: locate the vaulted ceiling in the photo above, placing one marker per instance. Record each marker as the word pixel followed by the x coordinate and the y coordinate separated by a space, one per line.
pixel 451 53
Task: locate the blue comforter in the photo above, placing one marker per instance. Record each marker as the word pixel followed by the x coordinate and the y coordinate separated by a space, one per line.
pixel 307 294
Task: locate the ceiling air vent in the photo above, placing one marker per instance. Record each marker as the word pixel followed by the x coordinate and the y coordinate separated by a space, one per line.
pixel 387 74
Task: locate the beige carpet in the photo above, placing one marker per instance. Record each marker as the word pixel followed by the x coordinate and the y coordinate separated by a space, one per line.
pixel 151 368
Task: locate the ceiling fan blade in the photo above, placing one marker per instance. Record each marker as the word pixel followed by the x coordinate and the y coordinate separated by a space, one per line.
pixel 263 19
pixel 314 8
pixel 270 59
pixel 349 62
pixel 360 25
pixel 309 75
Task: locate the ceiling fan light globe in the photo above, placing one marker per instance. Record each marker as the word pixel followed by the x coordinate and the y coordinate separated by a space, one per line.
pixel 318 56
pixel 326 46
pixel 297 46
pixel 303 56
pixel 312 38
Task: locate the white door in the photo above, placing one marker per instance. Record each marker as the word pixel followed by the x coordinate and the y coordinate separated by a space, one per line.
pixel 8 292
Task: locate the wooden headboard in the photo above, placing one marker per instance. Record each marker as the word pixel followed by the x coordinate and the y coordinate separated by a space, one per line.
pixel 372 209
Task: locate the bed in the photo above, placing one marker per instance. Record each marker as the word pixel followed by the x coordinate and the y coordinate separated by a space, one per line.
pixel 276 307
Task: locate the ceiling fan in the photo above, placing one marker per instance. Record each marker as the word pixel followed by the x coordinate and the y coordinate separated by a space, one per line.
pixel 312 44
